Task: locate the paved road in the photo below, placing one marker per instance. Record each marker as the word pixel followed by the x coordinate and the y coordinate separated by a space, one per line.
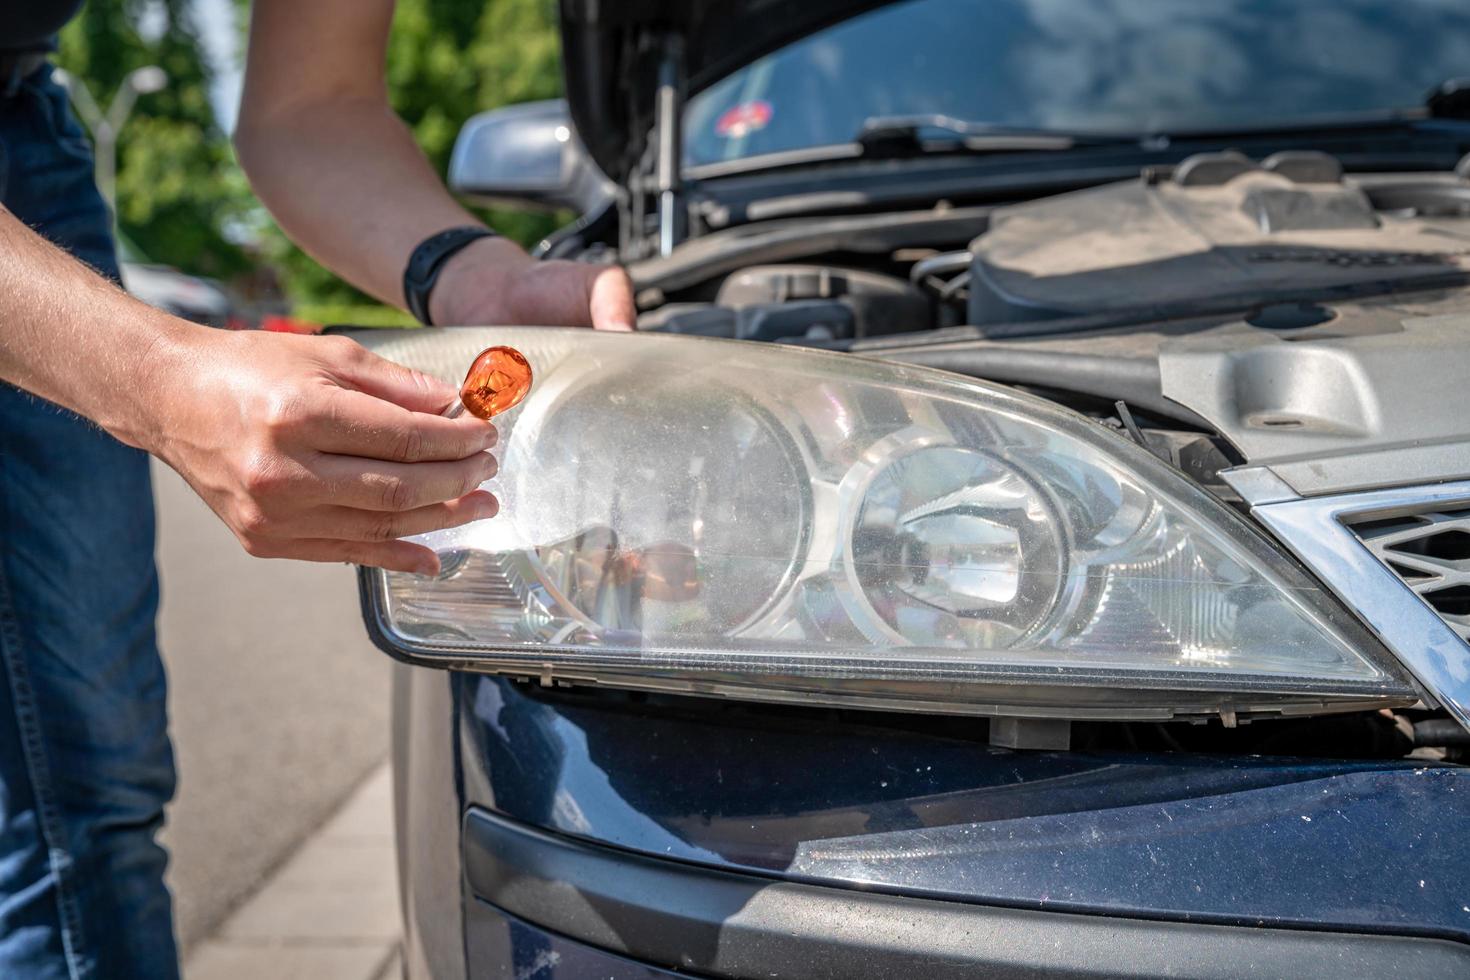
pixel 279 704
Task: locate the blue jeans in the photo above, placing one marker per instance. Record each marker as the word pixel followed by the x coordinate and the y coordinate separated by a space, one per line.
pixel 85 761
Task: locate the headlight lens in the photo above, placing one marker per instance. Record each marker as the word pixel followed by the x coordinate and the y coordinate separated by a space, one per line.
pixel 744 519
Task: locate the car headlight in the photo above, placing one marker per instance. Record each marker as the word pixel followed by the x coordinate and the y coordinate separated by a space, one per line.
pixel 732 518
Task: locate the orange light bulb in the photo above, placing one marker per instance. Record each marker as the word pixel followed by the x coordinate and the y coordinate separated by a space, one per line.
pixel 496 382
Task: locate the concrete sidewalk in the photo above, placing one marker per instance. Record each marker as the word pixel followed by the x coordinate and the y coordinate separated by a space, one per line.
pixel 329 913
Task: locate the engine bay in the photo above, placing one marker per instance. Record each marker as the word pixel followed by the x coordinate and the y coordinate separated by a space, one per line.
pixel 1217 233
pixel 1240 311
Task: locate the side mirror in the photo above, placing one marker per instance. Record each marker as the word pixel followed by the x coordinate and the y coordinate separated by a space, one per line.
pixel 527 154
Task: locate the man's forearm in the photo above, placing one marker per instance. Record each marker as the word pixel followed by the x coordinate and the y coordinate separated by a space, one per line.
pixel 337 168
pixel 349 185
pixel 72 337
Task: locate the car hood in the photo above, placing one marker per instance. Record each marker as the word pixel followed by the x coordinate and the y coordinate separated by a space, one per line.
pixel 611 53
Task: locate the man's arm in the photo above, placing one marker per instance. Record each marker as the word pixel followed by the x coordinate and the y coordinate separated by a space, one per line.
pixel 307 447
pixel 343 176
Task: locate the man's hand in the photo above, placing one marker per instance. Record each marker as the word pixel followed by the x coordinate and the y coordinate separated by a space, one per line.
pixel 307 447
pixel 315 448
pixel 491 282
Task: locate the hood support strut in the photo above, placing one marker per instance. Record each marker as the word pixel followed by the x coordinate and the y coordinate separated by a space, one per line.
pixel 668 118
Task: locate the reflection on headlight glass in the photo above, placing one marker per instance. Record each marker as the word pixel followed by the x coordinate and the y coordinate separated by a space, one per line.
pixel 753 507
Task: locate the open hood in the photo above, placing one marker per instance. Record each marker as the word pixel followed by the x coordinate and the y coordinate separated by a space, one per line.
pixel 611 50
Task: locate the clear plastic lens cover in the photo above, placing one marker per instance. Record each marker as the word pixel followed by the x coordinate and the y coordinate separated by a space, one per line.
pixel 734 514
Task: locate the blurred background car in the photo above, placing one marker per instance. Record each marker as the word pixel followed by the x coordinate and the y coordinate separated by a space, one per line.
pixel 191 297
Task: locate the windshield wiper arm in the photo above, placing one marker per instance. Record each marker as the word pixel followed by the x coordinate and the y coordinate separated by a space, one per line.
pixel 902 134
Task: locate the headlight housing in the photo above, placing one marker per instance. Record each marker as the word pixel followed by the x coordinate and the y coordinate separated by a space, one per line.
pixel 742 519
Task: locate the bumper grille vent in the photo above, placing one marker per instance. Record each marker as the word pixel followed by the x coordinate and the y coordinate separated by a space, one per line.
pixel 1430 552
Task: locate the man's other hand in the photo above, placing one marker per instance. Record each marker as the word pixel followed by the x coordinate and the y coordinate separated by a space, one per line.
pixel 492 282
pixel 315 448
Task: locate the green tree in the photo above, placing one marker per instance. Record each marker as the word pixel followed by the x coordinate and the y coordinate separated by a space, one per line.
pixel 447 60
pixel 179 191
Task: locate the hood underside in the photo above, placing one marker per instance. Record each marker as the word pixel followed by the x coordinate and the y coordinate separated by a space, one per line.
pixel 611 52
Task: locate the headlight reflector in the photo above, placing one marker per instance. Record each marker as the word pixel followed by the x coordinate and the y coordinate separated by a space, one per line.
pixel 955 549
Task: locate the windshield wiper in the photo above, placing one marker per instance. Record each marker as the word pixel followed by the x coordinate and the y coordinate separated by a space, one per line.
pixel 903 136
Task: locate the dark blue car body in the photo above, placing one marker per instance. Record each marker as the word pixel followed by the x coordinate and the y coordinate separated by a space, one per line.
pixel 1269 847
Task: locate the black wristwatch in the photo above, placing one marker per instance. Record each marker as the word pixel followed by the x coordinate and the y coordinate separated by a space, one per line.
pixel 428 259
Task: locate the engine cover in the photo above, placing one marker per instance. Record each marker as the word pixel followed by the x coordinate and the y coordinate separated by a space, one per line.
pixel 1220 228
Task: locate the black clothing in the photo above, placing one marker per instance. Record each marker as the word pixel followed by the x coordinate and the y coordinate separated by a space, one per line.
pixel 31 25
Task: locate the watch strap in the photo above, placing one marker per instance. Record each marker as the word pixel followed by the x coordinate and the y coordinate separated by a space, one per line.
pixel 426 262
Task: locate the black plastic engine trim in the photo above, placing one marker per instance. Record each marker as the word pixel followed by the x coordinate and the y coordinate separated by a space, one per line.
pixel 723 924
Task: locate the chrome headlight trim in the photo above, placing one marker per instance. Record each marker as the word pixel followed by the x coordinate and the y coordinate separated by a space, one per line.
pixel 1318 532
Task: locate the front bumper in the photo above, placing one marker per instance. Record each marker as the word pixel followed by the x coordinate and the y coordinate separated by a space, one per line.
pixel 840 800
pixel 539 899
